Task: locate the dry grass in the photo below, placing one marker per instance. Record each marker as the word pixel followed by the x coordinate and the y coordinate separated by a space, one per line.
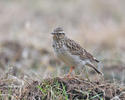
pixel 13 88
pixel 74 88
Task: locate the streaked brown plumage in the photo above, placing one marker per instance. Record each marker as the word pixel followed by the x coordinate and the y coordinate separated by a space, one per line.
pixel 70 52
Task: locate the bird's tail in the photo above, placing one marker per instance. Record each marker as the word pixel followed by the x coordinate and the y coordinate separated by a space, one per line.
pixel 96 60
pixel 99 72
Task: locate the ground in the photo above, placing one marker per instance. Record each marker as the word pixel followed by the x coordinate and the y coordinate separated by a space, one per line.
pixel 75 88
pixel 28 66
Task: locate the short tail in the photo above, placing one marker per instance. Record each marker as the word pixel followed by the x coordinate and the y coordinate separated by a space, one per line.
pixel 90 65
pixel 96 60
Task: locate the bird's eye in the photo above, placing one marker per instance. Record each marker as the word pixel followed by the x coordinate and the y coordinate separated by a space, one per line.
pixel 53 45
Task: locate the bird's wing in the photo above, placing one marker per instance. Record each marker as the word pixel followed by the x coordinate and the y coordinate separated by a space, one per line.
pixel 90 56
pixel 73 47
pixel 76 49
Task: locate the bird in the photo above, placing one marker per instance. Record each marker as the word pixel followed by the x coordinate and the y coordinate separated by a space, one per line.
pixel 71 53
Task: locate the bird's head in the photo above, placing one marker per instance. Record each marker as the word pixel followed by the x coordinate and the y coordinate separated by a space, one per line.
pixel 58 33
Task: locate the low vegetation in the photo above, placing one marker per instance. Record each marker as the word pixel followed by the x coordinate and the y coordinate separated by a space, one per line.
pixel 75 88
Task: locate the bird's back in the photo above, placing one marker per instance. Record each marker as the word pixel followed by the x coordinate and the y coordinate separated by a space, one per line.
pixel 76 49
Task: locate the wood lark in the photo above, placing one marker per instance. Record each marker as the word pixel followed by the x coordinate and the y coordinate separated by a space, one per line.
pixel 70 52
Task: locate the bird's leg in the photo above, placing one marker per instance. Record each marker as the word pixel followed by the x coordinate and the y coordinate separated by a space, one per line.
pixel 70 71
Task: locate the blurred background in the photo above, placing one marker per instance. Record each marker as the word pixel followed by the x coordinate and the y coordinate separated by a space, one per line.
pixel 25 39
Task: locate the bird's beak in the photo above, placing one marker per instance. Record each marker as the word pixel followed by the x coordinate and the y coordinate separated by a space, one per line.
pixel 52 33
